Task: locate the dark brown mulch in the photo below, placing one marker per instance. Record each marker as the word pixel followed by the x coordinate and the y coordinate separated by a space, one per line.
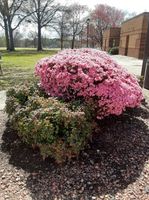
pixel 114 166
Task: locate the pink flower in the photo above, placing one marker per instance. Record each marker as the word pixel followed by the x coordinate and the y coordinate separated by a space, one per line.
pixel 89 73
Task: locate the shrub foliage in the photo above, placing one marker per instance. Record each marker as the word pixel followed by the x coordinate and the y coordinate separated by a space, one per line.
pixel 89 74
pixel 114 51
pixel 76 87
pixel 53 126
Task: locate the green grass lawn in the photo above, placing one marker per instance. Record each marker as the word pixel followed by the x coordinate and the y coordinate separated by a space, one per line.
pixel 19 66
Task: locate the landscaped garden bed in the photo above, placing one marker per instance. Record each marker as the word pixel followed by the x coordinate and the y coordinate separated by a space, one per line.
pixel 77 89
pixel 112 163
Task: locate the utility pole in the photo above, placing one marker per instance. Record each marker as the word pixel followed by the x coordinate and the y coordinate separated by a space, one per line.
pixel 145 66
pixel 146 50
pixel 146 78
pixel 87 21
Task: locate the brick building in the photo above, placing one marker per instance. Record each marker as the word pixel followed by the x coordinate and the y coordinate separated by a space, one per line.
pixel 133 36
pixel 111 38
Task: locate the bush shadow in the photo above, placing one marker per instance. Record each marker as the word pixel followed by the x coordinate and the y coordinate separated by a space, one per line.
pixel 114 159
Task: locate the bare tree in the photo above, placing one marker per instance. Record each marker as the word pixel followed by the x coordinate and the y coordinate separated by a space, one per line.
pixel 33 35
pixel 61 23
pixel 42 13
pixel 13 16
pixel 3 23
pixel 76 21
pixel 17 38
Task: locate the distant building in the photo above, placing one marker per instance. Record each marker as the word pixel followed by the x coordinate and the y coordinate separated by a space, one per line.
pixel 133 36
pixel 111 38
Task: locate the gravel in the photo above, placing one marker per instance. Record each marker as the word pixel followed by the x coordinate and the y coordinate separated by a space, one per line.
pixel 114 166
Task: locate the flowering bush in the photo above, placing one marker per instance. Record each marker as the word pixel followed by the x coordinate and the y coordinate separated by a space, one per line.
pixel 89 75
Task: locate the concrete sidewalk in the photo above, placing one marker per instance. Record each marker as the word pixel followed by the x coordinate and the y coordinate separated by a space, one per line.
pixel 133 65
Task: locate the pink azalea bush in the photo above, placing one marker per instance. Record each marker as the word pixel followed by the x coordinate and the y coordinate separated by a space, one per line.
pixel 89 74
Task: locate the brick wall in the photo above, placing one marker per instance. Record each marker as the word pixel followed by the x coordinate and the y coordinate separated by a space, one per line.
pixel 133 35
pixel 111 37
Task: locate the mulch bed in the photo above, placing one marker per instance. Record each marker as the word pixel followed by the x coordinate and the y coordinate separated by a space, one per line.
pixel 115 165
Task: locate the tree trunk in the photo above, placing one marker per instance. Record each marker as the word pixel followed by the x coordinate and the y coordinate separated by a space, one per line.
pixel 73 42
pixel 39 46
pixel 11 39
pixel 101 39
pixel 11 48
pixel 6 33
pixel 62 41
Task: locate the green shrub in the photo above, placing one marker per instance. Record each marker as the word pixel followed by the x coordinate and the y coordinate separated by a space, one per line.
pixel 58 129
pixel 114 51
pixel 140 80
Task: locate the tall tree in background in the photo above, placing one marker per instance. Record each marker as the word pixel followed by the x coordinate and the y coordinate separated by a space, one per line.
pixel 61 23
pixel 2 41
pixel 42 13
pixel 103 17
pixel 76 21
pixel 3 22
pixel 12 14
pixel 17 38
pixel 4 25
pixel 33 35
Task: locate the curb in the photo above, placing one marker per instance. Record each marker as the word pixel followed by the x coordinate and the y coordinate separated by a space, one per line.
pixel 2 99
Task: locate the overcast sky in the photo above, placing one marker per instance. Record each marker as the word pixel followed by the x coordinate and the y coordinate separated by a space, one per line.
pixel 137 6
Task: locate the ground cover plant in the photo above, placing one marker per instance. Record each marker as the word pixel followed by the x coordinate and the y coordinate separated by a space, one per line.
pixel 77 89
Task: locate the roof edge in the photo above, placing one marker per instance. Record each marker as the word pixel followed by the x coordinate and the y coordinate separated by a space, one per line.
pixel 144 13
